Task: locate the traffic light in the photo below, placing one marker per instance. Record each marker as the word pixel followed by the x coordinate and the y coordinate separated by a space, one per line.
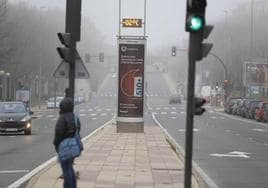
pixel 173 50
pixel 73 18
pixel 195 24
pixel 199 102
pixel 65 52
pixel 217 85
pixel 87 58
pixel 101 57
pixel 195 15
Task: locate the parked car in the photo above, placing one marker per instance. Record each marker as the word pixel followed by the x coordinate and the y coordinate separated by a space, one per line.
pixel 174 99
pixel 51 103
pixel 261 113
pixel 228 107
pixel 235 107
pixel 251 108
pixel 240 106
pixel 15 117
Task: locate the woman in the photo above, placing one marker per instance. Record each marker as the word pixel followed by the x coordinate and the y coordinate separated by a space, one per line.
pixel 65 127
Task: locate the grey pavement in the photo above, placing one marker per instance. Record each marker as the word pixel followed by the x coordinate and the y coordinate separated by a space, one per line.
pixel 115 160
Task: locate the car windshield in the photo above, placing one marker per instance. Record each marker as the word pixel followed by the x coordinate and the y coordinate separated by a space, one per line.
pixel 51 100
pixel 12 108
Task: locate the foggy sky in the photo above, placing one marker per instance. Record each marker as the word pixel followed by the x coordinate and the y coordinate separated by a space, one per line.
pixel 165 18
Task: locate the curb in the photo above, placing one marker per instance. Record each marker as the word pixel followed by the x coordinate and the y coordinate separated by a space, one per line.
pixel 50 162
pixel 202 178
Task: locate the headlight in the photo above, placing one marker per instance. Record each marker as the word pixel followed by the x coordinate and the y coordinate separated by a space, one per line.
pixel 1 120
pixel 26 118
pixel 28 125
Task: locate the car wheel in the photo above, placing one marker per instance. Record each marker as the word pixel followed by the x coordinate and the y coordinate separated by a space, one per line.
pixel 28 132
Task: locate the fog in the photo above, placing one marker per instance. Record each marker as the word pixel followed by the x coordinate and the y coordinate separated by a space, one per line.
pixel 164 23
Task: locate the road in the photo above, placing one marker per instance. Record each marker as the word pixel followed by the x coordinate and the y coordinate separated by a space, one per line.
pixel 231 150
pixel 20 154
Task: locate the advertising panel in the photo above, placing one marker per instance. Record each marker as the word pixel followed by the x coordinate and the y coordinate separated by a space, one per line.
pixel 131 79
pixel 255 74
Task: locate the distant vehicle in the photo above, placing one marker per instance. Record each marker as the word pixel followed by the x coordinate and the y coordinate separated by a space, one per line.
pixel 228 107
pixel 51 102
pixel 15 117
pixel 251 108
pixel 261 113
pixel 175 99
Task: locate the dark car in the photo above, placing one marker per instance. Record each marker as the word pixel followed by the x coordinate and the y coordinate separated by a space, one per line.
pixel 175 99
pixel 261 113
pixel 228 107
pixel 251 108
pixel 15 117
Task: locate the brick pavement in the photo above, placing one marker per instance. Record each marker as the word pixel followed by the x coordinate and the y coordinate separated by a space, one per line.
pixel 122 160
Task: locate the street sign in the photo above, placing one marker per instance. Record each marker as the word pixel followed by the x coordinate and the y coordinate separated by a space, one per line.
pixel 132 22
pixel 62 71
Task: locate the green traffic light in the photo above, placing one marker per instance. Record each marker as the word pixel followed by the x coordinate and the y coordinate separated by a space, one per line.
pixel 196 23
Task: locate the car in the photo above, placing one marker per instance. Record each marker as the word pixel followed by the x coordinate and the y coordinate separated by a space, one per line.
pixel 261 113
pixel 228 107
pixel 251 108
pixel 175 99
pixel 51 103
pixel 15 117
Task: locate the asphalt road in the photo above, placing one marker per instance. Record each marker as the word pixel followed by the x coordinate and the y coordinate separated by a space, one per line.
pixel 20 154
pixel 232 151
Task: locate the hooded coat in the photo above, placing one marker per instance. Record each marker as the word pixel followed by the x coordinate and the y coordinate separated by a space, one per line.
pixel 65 126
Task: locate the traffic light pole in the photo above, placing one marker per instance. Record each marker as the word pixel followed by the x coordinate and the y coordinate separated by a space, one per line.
pixel 194 46
pixel 72 70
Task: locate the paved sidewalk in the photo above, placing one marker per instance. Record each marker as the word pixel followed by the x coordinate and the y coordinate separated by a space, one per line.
pixel 122 160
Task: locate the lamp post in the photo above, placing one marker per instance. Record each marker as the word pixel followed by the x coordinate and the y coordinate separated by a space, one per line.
pixel 7 86
pixel 2 73
pixel 40 58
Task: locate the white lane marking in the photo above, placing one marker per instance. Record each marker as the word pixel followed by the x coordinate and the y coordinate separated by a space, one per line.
pixel 37 116
pixel 237 134
pixel 13 171
pixel 227 130
pixel 183 130
pixel 266 144
pixel 55 119
pixel 49 116
pixel 90 110
pixel 260 130
pixel 180 151
pixel 108 109
pixel 173 108
pixel 174 117
pixel 103 114
pixel 250 138
pixel 213 117
pixel 182 108
pixel 166 108
pixel 150 108
pixel 222 118
pixel 93 114
pixel 237 154
pixel 173 112
pixel 158 108
pixel 93 118
pixel 211 111
pixel 82 115
pixel 82 110
pixel 163 113
pixel 183 112
pixel 99 110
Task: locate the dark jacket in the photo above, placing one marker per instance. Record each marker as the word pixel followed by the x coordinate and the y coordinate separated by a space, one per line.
pixel 65 126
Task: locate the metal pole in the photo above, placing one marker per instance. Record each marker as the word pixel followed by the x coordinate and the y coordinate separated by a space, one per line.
pixel 145 7
pixel 193 46
pixel 119 30
pixel 72 70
